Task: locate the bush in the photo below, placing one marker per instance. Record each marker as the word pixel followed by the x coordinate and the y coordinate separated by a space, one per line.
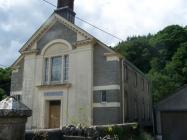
pixel 2 94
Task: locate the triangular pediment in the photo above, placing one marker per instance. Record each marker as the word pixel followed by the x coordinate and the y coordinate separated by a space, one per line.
pixel 54 20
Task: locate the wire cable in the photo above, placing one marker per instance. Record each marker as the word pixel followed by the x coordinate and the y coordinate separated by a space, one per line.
pixel 3 66
pixel 88 23
pixel 49 3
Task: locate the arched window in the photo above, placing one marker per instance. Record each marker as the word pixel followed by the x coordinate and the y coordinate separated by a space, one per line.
pixel 56 61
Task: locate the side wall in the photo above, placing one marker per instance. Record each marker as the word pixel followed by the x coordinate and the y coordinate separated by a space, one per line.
pixel 136 90
pixel 106 78
pixel 17 78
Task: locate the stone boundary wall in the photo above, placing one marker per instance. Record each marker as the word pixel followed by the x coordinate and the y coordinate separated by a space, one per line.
pixel 122 131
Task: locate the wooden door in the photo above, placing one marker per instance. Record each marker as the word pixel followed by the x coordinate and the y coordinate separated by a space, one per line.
pixel 54 114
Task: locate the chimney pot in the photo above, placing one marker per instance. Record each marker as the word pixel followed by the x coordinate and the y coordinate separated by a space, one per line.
pixel 66 3
pixel 65 8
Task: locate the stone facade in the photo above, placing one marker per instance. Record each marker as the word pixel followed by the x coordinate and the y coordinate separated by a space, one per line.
pixel 105 72
pixel 57 31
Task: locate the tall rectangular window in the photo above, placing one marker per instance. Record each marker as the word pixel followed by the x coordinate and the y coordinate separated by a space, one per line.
pixel 125 73
pixel 148 87
pixel 18 97
pixel 46 70
pixel 135 80
pixel 56 68
pixel 143 84
pixel 66 67
pixel 135 109
pixel 103 96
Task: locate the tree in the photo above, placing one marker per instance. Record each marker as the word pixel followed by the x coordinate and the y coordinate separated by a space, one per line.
pixel 163 57
pixel 2 94
pixel 137 47
pixel 5 78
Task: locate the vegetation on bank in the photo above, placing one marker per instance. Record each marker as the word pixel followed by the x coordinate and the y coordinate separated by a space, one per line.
pixel 162 56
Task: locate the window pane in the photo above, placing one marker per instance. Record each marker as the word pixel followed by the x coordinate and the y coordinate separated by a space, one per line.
pixel 135 80
pixel 142 84
pixel 125 73
pixel 46 69
pixel 66 67
pixel 104 96
pixel 56 69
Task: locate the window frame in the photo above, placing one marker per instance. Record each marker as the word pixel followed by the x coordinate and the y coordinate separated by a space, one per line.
pixel 125 73
pixel 135 79
pixel 49 79
pixel 66 68
pixel 51 73
pixel 18 97
pixel 46 70
pixel 143 84
pixel 103 98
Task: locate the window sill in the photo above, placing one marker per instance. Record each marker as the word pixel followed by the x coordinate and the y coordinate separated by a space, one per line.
pixel 55 84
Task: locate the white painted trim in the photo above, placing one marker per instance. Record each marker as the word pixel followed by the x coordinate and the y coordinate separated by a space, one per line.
pixel 112 58
pixel 54 42
pixel 16 93
pixel 108 87
pixel 107 104
pixel 15 70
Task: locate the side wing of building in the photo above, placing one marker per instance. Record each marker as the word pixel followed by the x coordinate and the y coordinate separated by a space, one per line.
pixel 137 96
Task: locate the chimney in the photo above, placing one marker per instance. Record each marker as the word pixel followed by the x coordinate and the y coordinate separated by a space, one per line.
pixel 65 8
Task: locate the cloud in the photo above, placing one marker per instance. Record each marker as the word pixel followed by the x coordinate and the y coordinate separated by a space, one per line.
pixel 123 18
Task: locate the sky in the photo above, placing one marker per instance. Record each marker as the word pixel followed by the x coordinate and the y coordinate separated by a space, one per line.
pixel 19 19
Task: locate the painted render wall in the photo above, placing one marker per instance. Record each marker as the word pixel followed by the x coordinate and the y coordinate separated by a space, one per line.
pixel 29 83
pixel 76 100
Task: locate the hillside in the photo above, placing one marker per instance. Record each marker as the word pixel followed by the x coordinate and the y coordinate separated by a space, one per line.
pixel 163 57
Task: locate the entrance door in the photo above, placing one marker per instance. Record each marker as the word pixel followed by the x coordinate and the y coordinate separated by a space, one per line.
pixel 54 114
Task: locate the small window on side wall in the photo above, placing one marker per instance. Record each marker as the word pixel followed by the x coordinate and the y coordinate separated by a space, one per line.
pixel 18 97
pixel 143 84
pixel 125 73
pixel 135 80
pixel 103 96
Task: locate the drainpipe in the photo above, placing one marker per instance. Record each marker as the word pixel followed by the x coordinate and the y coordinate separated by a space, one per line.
pixel 67 116
pixel 123 95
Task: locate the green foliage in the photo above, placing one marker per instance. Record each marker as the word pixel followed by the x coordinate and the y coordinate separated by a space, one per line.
pixel 129 132
pixel 40 136
pixel 2 94
pixel 137 50
pixel 5 76
pixel 163 57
